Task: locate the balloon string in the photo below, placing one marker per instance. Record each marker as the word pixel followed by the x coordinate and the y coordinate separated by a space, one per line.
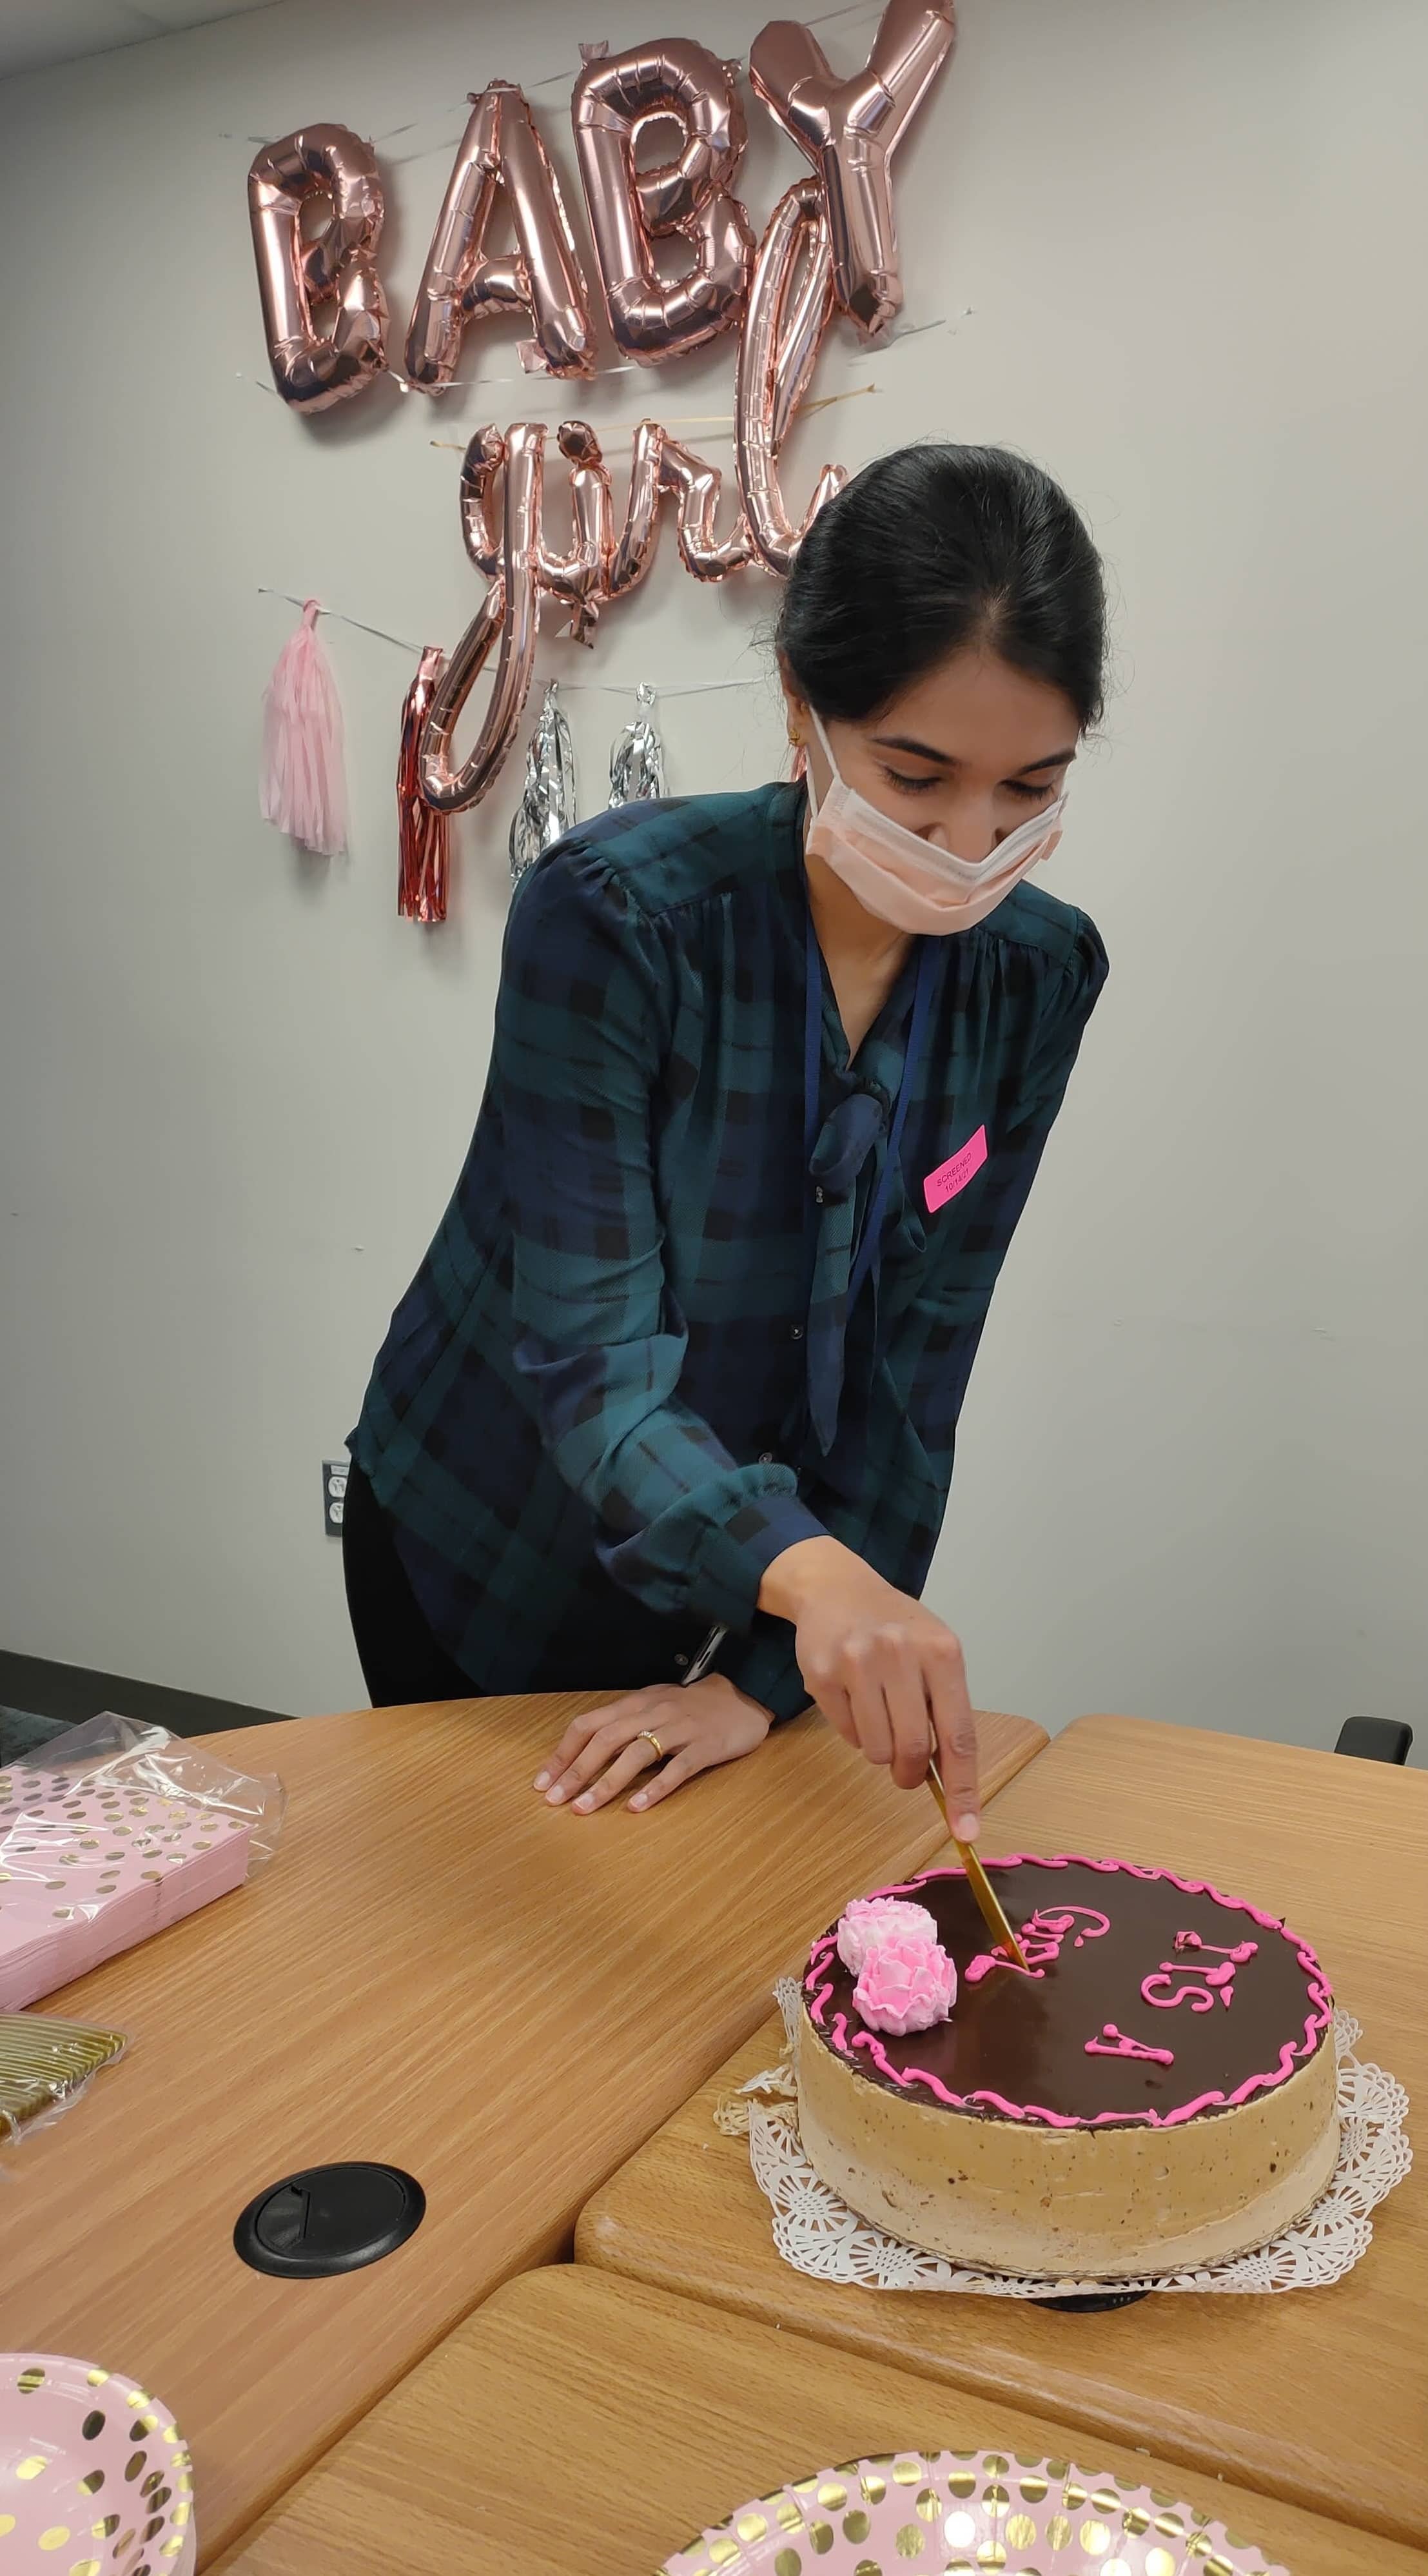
pixel 634 367
pixel 719 420
pixel 583 688
pixel 552 80
pixel 266 591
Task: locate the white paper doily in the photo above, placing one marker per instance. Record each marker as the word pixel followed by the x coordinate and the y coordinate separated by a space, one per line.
pixel 819 2234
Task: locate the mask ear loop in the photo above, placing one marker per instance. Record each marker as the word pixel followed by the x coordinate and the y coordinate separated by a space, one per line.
pixel 826 748
pixel 804 770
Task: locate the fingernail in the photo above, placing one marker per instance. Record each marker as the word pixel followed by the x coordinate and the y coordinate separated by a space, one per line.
pixel 639 1799
pixel 584 1805
pixel 542 1780
pixel 967 1828
pixel 555 1797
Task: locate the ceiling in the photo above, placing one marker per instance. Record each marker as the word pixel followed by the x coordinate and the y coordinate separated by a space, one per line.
pixel 34 32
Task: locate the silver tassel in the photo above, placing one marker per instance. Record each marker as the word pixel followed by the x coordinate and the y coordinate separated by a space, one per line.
pixel 637 755
pixel 547 808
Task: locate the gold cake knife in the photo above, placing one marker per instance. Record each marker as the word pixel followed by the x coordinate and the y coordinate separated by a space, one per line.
pixel 1003 1937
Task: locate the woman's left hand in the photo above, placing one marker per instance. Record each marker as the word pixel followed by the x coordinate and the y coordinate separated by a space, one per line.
pixel 695 1727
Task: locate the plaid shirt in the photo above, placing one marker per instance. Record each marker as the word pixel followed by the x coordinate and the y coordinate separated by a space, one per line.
pixel 590 1421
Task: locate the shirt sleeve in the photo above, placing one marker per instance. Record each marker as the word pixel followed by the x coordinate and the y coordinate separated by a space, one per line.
pixel 582 1037
pixel 1071 992
pixel 764 1666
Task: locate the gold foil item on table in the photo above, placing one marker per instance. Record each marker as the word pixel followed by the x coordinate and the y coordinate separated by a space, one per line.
pixel 1003 1937
pixel 45 2062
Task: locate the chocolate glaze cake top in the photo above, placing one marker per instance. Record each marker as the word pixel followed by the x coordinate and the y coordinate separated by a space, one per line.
pixel 1151 1999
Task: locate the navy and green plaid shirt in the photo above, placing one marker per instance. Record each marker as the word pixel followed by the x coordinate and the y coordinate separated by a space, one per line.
pixel 590 1421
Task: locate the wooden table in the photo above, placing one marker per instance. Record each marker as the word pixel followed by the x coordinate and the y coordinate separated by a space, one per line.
pixel 585 2423
pixel 441 1973
pixel 1319 2396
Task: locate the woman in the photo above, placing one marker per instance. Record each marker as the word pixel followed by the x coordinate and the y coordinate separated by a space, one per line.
pixel 670 1406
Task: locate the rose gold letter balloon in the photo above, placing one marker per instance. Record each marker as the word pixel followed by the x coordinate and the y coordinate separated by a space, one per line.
pixel 580 577
pixel 776 356
pixel 313 368
pixel 463 282
pixel 660 468
pixel 615 96
pixel 508 611
pixel 849 130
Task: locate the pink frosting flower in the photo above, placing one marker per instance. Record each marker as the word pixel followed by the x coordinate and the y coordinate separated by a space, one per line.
pixel 870 1919
pixel 905 1985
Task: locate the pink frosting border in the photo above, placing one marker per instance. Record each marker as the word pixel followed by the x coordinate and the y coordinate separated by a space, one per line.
pixel 1293 2054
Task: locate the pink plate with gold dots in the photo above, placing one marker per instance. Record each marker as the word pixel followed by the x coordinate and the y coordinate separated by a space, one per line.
pixel 94 2478
pixel 964 2512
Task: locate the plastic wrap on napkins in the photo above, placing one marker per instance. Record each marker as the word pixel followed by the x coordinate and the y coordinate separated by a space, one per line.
pixel 110 1832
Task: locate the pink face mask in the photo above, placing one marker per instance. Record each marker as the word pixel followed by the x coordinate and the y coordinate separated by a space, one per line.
pixel 917 885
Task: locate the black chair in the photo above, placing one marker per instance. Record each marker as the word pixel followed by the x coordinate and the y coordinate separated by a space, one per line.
pixel 1375 1739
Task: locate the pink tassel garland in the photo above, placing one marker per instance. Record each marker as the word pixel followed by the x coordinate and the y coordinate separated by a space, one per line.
pixel 423 836
pixel 303 789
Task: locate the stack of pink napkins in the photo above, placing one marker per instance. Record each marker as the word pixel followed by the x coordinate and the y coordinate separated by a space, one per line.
pixel 90 1863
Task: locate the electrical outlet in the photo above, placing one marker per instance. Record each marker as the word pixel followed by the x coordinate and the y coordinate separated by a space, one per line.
pixel 334 1494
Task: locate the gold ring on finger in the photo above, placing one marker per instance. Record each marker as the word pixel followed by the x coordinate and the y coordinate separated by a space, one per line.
pixel 647 1735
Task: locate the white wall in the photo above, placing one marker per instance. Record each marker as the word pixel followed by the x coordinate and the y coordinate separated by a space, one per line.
pixel 237 1090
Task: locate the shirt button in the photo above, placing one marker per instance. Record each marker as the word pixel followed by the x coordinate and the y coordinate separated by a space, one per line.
pixel 795 1332
pixel 681 1663
pixel 818 1195
pixel 766 1457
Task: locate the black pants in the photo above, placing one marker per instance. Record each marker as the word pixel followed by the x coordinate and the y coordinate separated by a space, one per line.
pixel 401 1660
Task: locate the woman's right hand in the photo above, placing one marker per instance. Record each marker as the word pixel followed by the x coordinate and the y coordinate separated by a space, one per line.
pixel 888 1674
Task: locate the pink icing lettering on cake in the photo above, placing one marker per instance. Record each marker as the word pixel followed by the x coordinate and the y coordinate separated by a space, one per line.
pixel 1214 1949
pixel 1114 2043
pixel 870 1920
pixel 1201 1998
pixel 1041 1937
pixel 1217 1981
pixel 905 1985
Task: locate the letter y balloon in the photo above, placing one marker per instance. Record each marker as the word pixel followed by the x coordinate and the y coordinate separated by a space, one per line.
pixel 849 130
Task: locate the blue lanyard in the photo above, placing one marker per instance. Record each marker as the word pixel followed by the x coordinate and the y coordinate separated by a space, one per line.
pixel 869 1248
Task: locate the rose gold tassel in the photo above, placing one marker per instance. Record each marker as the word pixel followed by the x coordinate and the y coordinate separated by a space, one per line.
pixel 423 836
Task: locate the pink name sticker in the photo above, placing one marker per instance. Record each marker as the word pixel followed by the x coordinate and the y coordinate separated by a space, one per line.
pixel 956 1172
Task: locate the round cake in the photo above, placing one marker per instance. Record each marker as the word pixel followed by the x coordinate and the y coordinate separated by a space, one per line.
pixel 1157 2089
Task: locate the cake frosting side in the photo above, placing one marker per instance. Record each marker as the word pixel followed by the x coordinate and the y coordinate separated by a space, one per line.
pixel 1158 2090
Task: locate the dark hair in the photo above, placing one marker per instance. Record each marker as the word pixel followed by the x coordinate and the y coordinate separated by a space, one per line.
pixel 931 549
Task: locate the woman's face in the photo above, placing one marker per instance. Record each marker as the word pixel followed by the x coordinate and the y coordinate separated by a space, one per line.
pixel 961 757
